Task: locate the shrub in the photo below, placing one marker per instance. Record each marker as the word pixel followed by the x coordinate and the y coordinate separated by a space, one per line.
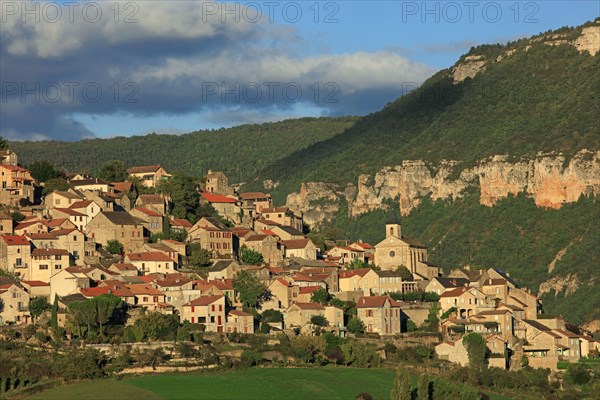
pixel 250 358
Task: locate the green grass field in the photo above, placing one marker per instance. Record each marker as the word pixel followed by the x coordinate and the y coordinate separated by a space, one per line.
pixel 257 383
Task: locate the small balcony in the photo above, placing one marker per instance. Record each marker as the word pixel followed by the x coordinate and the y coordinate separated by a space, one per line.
pixel 22 265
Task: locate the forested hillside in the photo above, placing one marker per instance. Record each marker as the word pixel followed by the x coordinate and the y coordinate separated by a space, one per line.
pixel 240 151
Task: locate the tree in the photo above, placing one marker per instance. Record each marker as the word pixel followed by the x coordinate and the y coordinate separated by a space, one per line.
pixel 475 345
pixel 271 315
pixel 42 171
pixel 423 387
pixel 320 296
pixel 319 320
pixel 113 171
pixel 106 305
pixel 54 314
pixel 114 247
pixel 3 143
pixel 1 306
pixel 432 321
pixel 184 195
pixel 17 216
pixel 402 385
pixel 355 325
pixel 200 258
pixel 37 306
pixel 249 256
pixel 405 274
pixel 55 184
pixel 252 292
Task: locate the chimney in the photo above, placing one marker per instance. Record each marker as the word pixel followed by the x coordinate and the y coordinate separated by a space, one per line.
pixel 490 281
pixel 453 282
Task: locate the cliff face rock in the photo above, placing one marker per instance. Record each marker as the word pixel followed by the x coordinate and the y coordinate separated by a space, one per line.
pixel 468 69
pixel 317 200
pixel 589 40
pixel 547 178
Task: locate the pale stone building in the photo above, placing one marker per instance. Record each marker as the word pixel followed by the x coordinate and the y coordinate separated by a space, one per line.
pixel 149 175
pixel 379 314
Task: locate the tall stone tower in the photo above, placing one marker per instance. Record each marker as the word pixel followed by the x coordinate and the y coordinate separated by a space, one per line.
pixel 392 226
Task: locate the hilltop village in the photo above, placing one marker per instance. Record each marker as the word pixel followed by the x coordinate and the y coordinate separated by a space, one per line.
pixel 248 266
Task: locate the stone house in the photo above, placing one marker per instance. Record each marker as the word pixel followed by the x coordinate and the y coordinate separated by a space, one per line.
pixel 283 295
pixel 146 296
pixel 379 314
pixel 45 263
pixel 254 202
pixel 441 284
pixel 283 216
pixel 206 310
pixel 218 183
pixel 115 225
pixel 77 218
pixel 153 220
pixel 6 224
pixel 33 225
pixel 227 206
pixel 92 184
pixel 16 304
pixel 68 282
pixel 152 262
pixel 149 175
pixel 15 254
pixel 364 280
pixel 156 202
pixel 455 352
pixel 61 199
pixel 223 269
pixel 300 248
pixel 266 245
pixel 345 255
pixel 467 300
pixel 240 321
pixel 16 185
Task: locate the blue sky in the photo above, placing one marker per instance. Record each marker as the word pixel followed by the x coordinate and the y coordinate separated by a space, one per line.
pixel 170 67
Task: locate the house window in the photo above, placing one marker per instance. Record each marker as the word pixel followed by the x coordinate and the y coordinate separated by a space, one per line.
pixel 43 266
pixel 155 299
pixel 57 258
pixel 392 253
pixel 145 299
pixel 58 266
pixel 193 308
pixel 213 307
pixel 220 307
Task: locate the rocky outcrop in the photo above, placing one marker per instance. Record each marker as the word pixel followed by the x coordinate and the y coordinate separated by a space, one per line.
pixel 470 67
pixel 589 40
pixel 549 179
pixel 570 283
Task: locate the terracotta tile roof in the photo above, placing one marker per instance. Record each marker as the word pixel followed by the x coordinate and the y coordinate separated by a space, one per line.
pixel 254 195
pixel 494 282
pixel 283 282
pixel 309 306
pixel 217 198
pixel 222 285
pixel 56 222
pixel 141 289
pixel 81 204
pixel 125 267
pixel 148 212
pixel 49 252
pixel 143 169
pixel 352 272
pixel 309 289
pixel 455 292
pixel 12 240
pixel 375 302
pixel 70 212
pixel 295 244
pixel 204 300
pixel 240 313
pixel 151 199
pixel 35 283
pixel 256 238
pixel 184 223
pixel 123 186
pixel 149 256
pixel 364 245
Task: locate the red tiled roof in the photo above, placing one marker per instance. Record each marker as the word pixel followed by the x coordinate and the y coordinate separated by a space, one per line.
pixel 455 292
pixel 149 256
pixel 310 306
pixel 217 198
pixel 309 289
pixel 284 282
pixel 274 210
pixel 56 222
pixel 494 282
pixel 122 186
pixel 375 301
pixel 49 252
pixel 12 240
pixel 148 212
pixel 180 222
pixel 125 267
pixel 80 204
pixel 36 283
pixel 363 245
pixel 254 195
pixel 204 300
pixel 144 289
pixel 295 244
pixel 70 212
pixel 143 169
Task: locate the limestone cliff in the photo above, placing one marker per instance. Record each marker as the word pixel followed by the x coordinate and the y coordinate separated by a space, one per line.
pixel 549 179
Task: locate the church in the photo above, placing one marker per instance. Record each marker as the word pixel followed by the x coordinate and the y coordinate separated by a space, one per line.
pixel 396 250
